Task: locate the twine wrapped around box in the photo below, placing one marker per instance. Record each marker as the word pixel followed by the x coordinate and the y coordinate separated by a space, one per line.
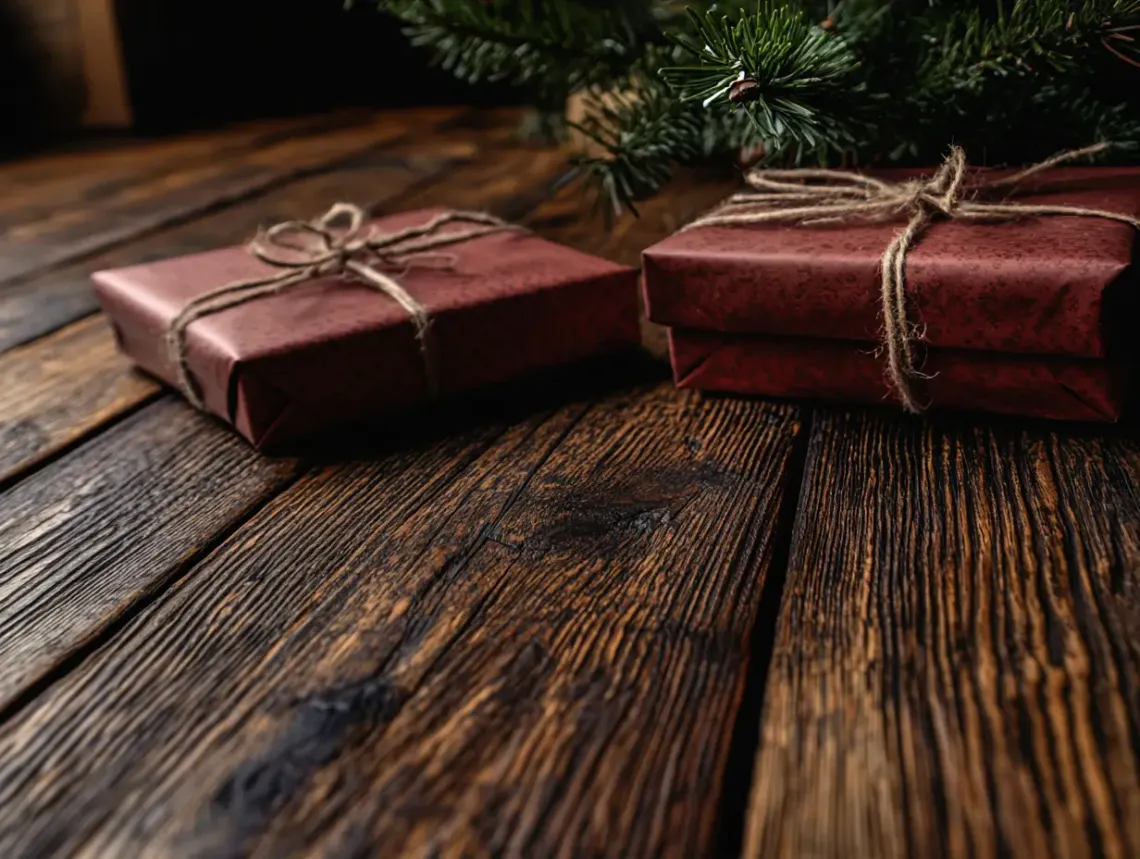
pixel 306 250
pixel 808 197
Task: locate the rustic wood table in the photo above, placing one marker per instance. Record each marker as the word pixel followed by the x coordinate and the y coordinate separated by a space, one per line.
pixel 612 620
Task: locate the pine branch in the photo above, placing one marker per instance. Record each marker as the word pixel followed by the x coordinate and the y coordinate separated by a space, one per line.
pixel 850 81
pixel 646 132
pixel 550 47
pixel 644 135
pixel 787 73
pixel 1044 37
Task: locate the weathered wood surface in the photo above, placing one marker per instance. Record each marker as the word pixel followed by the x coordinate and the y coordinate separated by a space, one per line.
pixel 957 669
pixel 32 188
pixel 541 633
pixel 85 539
pixel 519 640
pixel 73 229
pixel 58 389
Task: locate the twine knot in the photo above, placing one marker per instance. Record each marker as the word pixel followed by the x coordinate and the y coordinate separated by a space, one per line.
pixel 338 243
pixel 814 197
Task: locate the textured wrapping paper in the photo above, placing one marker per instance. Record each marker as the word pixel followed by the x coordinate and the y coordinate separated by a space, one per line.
pixel 332 352
pixel 1004 307
pixel 1043 386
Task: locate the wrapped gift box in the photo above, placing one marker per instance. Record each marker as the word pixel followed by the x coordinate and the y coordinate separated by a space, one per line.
pixel 841 371
pixel 331 351
pixel 1029 317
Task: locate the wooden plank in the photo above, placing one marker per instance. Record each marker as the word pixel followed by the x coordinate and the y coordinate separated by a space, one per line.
pixel 115 156
pixel 520 640
pixel 57 390
pixel 34 187
pixel 956 670
pixel 77 230
pixel 108 153
pixel 104 528
pixel 90 171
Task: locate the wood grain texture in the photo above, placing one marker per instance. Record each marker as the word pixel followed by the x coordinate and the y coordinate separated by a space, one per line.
pixel 85 538
pixel 521 640
pixel 58 389
pixel 32 188
pixel 68 232
pixel 527 636
pixel 510 182
pixel 956 670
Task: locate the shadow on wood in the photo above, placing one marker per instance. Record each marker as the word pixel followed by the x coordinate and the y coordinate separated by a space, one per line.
pixel 507 403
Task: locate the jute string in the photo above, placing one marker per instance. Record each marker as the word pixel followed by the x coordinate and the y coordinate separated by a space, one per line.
pixel 337 243
pixel 819 197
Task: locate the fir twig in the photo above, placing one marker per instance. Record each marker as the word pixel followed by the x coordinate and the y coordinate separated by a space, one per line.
pixel 546 46
pixel 845 81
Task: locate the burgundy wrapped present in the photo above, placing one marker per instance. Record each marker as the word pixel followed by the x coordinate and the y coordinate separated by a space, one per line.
pixel 1016 316
pixel 326 349
pixel 1043 386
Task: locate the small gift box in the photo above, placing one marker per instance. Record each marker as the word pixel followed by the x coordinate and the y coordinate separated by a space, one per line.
pixel 971 290
pixel 319 324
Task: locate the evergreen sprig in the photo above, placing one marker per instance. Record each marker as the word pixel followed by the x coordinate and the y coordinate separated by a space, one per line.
pixel 645 130
pixel 1036 36
pixel 550 47
pixel 857 81
pixel 786 70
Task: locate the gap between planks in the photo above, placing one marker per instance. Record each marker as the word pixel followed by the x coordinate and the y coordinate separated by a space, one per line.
pixel 99 636
pixel 745 746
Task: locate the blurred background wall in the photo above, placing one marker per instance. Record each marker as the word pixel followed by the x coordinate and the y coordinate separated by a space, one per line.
pixel 157 66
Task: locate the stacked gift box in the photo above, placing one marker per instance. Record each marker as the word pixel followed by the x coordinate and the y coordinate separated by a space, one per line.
pixel 1027 316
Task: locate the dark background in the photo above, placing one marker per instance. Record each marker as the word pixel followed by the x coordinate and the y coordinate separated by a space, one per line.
pixel 206 61
pixel 197 63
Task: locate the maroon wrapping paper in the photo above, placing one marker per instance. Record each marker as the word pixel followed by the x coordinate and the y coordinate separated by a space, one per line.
pixel 1051 387
pixel 331 352
pixel 1015 315
pixel 1036 286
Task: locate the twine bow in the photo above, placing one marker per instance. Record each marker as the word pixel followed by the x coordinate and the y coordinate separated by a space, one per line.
pixel 337 243
pixel 819 197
